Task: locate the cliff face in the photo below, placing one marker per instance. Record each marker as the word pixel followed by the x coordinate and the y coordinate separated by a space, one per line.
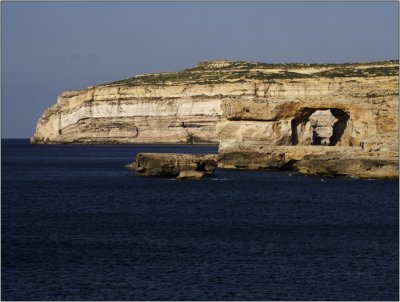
pixel 340 125
pixel 125 114
pixel 337 112
pixel 255 111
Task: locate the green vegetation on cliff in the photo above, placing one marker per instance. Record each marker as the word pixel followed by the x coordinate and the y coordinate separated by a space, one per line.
pixel 214 72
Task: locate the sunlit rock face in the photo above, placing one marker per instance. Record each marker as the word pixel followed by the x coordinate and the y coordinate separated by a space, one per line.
pixel 262 115
pixel 322 124
pixel 318 129
pixel 268 99
pixel 129 115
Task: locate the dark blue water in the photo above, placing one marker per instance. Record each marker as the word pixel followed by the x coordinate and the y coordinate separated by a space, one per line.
pixel 77 225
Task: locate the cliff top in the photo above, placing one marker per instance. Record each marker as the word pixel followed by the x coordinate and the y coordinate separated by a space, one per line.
pixel 221 71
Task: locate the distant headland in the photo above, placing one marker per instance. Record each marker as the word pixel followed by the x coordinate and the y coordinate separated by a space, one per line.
pixel 326 119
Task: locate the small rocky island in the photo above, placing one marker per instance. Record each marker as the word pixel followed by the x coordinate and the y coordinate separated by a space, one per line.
pixel 320 119
pixel 181 166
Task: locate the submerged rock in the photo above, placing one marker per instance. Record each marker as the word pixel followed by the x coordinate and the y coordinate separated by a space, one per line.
pixel 182 166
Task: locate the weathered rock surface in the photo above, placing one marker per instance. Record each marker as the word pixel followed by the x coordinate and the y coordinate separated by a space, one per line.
pixel 264 116
pixel 191 175
pixel 361 167
pixel 182 166
pixel 315 160
pixel 129 115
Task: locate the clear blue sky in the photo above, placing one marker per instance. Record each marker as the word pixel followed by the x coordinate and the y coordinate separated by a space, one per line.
pixel 49 47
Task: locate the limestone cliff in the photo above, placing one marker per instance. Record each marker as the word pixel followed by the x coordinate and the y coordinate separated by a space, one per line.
pixel 125 114
pixel 252 110
pixel 186 106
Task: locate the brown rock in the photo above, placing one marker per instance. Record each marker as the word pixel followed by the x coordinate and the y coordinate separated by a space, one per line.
pixel 172 164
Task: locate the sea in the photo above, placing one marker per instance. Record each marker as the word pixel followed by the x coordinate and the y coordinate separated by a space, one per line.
pixel 77 225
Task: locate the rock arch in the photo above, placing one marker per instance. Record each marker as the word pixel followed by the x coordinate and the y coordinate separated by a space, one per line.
pixel 319 126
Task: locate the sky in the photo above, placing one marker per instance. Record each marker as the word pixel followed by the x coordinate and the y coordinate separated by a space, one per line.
pixel 50 47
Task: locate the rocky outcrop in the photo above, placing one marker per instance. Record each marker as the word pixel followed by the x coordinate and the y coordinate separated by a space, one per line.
pixel 315 160
pixel 182 166
pixel 264 116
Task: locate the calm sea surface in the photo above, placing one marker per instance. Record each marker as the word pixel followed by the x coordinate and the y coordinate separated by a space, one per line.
pixel 77 225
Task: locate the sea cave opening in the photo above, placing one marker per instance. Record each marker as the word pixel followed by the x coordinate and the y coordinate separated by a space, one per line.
pixel 323 127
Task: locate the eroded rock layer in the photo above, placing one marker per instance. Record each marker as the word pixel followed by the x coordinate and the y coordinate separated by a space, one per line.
pixel 130 115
